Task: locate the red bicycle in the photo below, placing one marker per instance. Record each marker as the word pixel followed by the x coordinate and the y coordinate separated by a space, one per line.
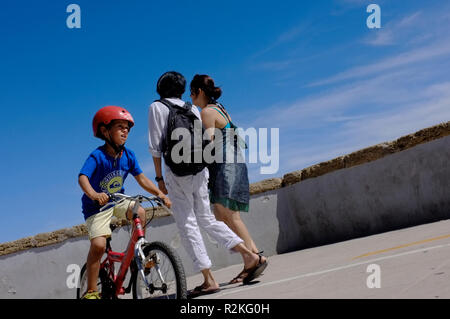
pixel 156 270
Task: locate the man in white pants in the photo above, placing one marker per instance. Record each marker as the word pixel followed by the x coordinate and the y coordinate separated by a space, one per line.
pixel 189 194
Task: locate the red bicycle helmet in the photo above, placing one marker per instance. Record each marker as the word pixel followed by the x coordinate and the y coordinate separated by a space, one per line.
pixel 109 113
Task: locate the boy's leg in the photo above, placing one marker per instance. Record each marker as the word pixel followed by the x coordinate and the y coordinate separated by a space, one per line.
pixel 98 229
pixel 141 214
pixel 96 252
pixel 125 210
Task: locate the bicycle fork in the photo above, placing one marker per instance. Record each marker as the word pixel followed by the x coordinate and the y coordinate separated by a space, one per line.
pixel 140 258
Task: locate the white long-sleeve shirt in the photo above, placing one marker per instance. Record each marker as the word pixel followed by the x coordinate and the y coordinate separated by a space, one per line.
pixel 158 115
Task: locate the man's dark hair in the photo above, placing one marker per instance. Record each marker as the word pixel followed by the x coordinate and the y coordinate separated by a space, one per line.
pixel 171 84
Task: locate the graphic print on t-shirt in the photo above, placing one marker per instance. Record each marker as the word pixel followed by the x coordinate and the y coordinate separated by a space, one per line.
pixel 113 182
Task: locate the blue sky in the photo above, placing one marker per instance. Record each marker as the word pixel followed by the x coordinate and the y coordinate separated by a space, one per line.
pixel 310 68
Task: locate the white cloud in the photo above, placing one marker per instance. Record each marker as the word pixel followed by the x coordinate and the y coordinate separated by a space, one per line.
pixel 395 31
pixel 329 104
pixel 432 51
pixel 300 151
pixel 380 102
pixel 283 38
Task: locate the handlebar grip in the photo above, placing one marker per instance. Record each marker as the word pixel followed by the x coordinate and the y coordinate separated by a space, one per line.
pixel 97 203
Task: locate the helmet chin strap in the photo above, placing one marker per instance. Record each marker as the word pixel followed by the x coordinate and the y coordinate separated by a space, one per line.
pixel 118 148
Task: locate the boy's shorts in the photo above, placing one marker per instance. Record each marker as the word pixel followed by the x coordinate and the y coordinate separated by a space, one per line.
pixel 98 224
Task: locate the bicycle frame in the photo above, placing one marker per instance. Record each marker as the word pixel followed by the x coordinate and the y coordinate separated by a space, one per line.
pixel 125 259
pixel 134 249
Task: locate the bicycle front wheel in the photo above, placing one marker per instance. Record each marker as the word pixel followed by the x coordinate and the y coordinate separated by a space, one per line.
pixel 163 271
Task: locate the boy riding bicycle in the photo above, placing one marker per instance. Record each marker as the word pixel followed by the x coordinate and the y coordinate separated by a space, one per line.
pixel 103 173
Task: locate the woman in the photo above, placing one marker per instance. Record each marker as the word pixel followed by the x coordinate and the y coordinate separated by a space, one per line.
pixel 228 180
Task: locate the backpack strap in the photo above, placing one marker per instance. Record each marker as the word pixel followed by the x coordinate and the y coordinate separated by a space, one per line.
pixel 170 105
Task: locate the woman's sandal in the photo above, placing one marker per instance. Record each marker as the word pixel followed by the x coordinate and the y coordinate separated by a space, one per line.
pixel 248 275
pixel 239 278
pixel 256 271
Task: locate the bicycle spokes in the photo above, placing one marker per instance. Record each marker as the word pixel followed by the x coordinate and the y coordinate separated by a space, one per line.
pixel 162 274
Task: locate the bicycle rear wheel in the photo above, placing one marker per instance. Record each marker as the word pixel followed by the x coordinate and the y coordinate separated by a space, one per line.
pixel 162 256
pixel 104 285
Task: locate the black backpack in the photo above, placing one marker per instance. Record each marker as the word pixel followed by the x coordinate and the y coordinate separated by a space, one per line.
pixel 183 117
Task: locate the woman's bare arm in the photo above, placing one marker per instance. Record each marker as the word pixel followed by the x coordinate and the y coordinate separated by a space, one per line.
pixel 209 121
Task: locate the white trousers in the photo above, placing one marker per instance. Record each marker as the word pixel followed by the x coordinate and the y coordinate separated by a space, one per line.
pixel 191 210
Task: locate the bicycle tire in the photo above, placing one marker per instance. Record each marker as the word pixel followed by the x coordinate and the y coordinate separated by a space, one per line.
pixel 176 266
pixel 80 285
pixel 106 292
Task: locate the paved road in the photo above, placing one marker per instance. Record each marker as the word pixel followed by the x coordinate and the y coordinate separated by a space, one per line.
pixel 408 263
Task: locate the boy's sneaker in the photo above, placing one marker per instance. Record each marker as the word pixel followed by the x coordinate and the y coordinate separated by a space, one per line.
pixel 92 295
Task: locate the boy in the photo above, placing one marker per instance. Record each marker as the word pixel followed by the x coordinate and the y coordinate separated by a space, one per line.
pixel 104 172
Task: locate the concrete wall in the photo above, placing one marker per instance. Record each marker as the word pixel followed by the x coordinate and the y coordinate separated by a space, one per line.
pixel 384 187
pixel 400 190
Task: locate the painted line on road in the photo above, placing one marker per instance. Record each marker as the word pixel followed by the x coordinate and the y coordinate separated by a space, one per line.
pixel 402 246
pixel 271 283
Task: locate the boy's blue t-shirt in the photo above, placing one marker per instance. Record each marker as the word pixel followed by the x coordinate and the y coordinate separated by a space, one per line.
pixel 107 174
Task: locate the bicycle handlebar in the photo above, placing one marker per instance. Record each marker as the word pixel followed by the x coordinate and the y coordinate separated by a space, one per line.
pixel 116 197
pixel 119 196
